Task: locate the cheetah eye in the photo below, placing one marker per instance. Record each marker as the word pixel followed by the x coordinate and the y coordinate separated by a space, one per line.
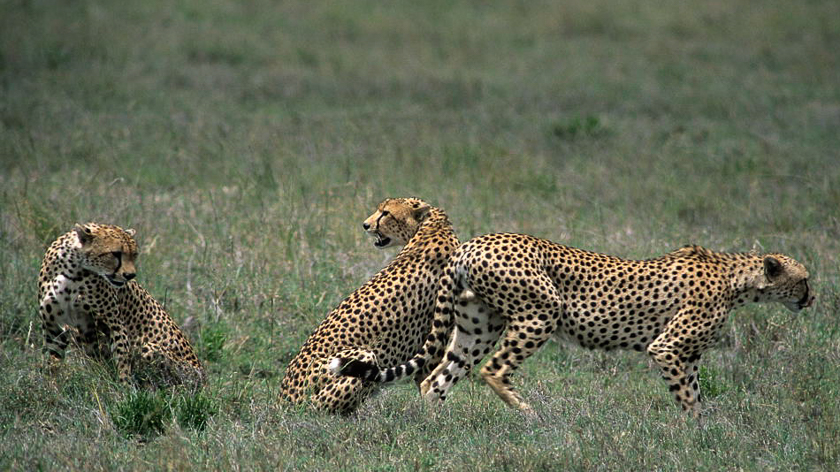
pixel 117 254
pixel 385 213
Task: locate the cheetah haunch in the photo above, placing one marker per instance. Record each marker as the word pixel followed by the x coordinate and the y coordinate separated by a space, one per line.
pixel 386 320
pixel 86 291
pixel 672 306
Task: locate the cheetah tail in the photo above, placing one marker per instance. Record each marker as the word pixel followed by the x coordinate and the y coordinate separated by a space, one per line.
pixel 372 373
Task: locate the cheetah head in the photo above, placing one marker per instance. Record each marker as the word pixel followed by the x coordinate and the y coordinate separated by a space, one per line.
pixel 396 220
pixel 786 281
pixel 109 251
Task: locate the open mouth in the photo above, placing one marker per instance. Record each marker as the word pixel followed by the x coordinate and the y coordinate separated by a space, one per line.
pixel 806 299
pixel 806 302
pixel 116 283
pixel 381 241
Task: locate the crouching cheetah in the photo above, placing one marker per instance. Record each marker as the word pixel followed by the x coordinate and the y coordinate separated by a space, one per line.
pixel 672 306
pixel 86 290
pixel 386 320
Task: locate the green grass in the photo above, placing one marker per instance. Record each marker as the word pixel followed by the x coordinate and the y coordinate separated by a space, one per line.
pixel 246 142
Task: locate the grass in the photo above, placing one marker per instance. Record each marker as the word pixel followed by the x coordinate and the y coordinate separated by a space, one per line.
pixel 246 142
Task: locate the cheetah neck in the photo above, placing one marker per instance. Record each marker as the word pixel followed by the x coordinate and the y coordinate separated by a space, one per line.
pixel 748 280
pixel 434 226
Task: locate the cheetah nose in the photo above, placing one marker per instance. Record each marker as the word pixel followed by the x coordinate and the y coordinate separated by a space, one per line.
pixel 365 226
pixel 129 275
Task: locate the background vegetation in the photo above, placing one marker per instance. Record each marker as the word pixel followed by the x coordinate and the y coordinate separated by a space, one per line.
pixel 247 140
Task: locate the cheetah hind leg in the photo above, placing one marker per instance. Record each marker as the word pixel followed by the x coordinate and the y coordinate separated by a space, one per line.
pixel 526 333
pixel 340 394
pixel 95 341
pixel 477 328
pixel 510 355
pixel 159 368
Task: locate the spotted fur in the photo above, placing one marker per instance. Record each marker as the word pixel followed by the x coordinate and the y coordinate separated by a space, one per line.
pixel 87 292
pixel 531 289
pixel 386 320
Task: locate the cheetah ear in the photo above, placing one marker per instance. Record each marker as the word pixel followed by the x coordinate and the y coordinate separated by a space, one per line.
pixel 420 213
pixel 84 233
pixel 772 267
pixel 130 232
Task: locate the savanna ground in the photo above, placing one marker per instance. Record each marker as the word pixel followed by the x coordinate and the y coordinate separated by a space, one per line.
pixel 247 140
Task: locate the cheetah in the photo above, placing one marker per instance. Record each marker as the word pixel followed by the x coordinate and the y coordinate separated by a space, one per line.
pixel 87 291
pixel 672 306
pixel 385 321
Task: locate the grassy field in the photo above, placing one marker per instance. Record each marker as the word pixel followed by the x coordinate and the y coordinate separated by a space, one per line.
pixel 246 141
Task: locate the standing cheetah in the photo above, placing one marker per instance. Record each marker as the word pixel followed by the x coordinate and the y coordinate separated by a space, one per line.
pixel 672 306
pixel 386 320
pixel 86 283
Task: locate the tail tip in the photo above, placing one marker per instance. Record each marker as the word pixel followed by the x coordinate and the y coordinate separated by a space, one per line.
pixel 354 368
pixel 467 295
pixel 336 364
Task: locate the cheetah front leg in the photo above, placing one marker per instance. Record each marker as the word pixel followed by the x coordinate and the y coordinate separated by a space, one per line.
pixel 679 370
pixel 56 338
pixel 105 310
pixel 120 351
pixel 82 329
